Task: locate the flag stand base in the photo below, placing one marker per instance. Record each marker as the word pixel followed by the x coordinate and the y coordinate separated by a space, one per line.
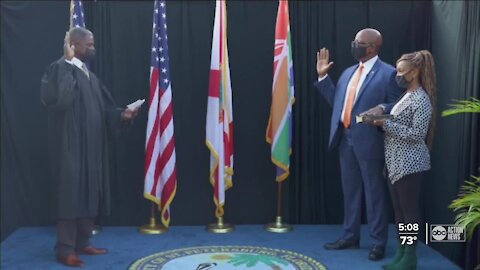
pixel 278 226
pixel 152 228
pixel 220 227
pixel 97 229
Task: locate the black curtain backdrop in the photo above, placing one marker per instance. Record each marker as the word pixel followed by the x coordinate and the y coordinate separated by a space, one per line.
pixel 32 36
pixel 456 153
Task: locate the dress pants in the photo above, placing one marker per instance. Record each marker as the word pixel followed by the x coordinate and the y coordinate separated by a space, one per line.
pixel 73 234
pixel 360 175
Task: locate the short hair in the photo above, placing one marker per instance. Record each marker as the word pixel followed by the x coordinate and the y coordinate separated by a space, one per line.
pixel 79 33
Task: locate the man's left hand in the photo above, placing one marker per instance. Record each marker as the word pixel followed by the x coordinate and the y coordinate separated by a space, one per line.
pixel 377 110
pixel 128 115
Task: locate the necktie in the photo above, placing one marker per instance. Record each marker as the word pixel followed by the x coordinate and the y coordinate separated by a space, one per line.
pixel 352 91
pixel 85 70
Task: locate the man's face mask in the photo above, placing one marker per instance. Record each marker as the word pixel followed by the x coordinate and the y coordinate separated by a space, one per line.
pixel 85 49
pixel 359 50
pixel 89 55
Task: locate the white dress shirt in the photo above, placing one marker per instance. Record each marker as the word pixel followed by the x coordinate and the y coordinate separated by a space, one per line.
pixel 78 63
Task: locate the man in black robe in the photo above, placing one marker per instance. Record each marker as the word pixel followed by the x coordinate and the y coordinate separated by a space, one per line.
pixel 82 118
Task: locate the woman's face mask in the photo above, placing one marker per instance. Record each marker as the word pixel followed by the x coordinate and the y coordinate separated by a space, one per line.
pixel 401 78
pixel 402 81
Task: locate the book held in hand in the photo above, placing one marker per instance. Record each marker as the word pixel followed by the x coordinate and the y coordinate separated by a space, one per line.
pixel 133 106
pixel 371 118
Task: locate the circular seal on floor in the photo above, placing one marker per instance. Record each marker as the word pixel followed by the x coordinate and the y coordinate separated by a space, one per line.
pixel 225 258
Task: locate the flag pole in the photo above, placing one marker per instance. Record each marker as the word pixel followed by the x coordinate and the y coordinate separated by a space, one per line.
pixel 219 129
pixel 220 227
pixel 153 227
pixel 280 112
pixel 278 226
pixel 80 20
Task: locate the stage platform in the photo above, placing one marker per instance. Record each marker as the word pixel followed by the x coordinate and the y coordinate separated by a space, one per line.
pixel 32 247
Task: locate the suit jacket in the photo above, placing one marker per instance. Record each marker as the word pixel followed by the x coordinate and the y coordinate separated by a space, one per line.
pixel 379 87
pixel 405 149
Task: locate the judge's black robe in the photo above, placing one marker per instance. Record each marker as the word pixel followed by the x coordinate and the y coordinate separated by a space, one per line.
pixel 82 117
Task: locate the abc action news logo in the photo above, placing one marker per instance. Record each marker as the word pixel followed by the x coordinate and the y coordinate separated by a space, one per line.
pixel 447 233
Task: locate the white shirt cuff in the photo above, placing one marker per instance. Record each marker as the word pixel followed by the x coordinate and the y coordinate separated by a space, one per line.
pixel 322 78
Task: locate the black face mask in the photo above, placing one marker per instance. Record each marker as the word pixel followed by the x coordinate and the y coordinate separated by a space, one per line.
pixel 402 81
pixel 89 55
pixel 359 52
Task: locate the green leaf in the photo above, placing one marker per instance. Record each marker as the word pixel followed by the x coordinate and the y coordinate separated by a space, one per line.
pixel 463 106
pixel 467 206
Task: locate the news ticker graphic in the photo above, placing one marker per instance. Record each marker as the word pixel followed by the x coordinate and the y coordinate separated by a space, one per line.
pixel 408 233
pixel 445 233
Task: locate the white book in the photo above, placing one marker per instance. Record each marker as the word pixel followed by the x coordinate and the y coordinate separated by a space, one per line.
pixel 135 105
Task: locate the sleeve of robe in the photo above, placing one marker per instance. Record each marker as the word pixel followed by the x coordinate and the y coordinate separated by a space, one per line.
pixel 115 125
pixel 58 89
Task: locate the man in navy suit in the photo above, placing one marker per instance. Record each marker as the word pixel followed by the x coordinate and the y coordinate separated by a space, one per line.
pixel 365 85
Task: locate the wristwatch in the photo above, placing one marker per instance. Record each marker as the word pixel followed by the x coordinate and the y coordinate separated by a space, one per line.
pixel 382 106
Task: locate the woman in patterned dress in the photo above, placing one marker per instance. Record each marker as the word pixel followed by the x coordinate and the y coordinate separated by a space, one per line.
pixel 408 140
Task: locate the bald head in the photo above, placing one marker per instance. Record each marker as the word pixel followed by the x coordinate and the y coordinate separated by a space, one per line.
pixel 367 44
pixel 372 36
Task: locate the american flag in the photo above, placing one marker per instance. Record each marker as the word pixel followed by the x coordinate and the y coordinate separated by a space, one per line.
pixel 77 18
pixel 160 172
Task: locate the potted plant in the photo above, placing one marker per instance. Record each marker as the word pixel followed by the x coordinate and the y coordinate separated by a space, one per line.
pixel 467 205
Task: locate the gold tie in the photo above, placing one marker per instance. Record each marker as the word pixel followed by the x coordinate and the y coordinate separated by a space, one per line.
pixel 352 91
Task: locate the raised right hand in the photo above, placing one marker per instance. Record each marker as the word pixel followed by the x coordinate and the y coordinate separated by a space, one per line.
pixel 323 66
pixel 68 49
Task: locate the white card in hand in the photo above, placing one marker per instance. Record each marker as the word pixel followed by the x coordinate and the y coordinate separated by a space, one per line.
pixel 133 106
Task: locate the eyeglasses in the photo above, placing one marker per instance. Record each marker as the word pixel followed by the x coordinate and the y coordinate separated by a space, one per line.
pixel 361 44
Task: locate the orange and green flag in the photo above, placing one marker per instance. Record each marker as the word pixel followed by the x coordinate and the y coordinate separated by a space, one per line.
pixel 279 130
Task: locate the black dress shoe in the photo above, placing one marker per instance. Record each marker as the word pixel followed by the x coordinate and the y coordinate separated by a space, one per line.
pixel 342 244
pixel 376 253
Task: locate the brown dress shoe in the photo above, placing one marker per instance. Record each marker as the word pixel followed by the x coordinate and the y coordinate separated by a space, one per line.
pixel 71 260
pixel 91 250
